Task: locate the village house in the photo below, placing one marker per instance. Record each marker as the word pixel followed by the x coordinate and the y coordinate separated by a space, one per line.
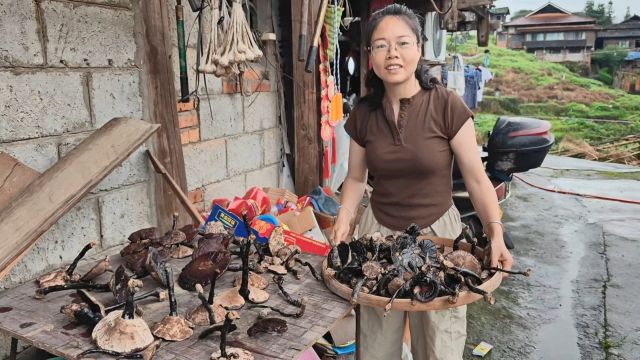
pixel 625 34
pixel 498 16
pixel 553 34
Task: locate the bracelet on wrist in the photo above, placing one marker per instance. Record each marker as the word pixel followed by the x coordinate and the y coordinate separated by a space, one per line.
pixel 492 222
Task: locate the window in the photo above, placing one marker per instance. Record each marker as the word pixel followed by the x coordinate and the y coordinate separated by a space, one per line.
pixel 539 37
pixel 528 37
pixel 575 35
pixel 555 36
pixel 623 44
pixel 575 51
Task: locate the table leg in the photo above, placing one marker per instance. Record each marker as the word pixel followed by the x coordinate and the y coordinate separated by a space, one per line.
pixel 14 349
pixel 357 311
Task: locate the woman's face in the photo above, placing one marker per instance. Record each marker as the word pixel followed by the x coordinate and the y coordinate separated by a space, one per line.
pixel 395 51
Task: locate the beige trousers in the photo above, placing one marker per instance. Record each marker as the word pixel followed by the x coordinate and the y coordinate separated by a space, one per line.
pixel 435 335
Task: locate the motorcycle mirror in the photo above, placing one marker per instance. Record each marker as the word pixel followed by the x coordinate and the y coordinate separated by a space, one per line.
pixel 351 65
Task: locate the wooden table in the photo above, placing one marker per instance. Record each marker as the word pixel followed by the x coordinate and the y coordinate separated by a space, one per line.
pixel 40 323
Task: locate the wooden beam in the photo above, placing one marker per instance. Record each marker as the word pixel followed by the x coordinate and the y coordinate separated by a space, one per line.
pixel 63 185
pixel 14 177
pixel 159 105
pixel 306 108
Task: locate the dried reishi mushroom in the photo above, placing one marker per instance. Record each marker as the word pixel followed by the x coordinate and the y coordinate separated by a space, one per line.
pixel 181 252
pixel 172 327
pixel 464 260
pixel 276 241
pixel 155 265
pixel 120 331
pixel 98 269
pixel 277 269
pixel 230 299
pixel 255 281
pixel 64 276
pixel 143 234
pixel 198 271
pixel 225 328
pixel 81 313
pixel 268 326
pixel 211 243
pixel 207 313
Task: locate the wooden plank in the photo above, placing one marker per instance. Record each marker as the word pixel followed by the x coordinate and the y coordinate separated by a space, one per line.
pixel 193 212
pixel 63 185
pixel 159 101
pixel 306 109
pixel 14 177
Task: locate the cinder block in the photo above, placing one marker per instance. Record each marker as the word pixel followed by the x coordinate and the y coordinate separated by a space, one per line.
pixel 272 140
pixel 84 35
pixel 227 188
pixel 133 170
pixel 244 153
pixel 262 113
pixel 265 177
pixel 115 95
pixel 19 42
pixel 41 104
pixel 124 211
pixel 119 3
pixel 205 162
pixel 60 244
pixel 38 154
pixel 190 25
pixel 226 119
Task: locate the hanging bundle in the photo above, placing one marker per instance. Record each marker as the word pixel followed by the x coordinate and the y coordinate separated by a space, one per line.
pixel 238 44
pixel 334 11
pixel 215 37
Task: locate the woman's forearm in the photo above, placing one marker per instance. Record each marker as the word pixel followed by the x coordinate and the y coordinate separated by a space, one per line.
pixel 352 191
pixel 485 202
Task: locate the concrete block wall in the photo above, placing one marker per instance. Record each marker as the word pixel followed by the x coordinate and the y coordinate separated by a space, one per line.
pixel 231 137
pixel 66 68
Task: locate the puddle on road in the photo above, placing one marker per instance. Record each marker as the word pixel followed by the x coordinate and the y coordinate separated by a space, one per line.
pixel 559 339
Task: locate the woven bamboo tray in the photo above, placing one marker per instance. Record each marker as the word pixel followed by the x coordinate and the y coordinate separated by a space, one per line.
pixel 439 303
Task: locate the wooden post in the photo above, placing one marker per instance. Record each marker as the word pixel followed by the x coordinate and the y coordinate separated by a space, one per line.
pixel 159 105
pixel 364 54
pixel 306 108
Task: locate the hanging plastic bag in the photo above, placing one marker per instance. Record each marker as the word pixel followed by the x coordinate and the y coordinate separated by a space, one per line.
pixel 455 76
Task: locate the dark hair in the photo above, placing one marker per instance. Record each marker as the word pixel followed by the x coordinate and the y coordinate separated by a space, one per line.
pixel 373 83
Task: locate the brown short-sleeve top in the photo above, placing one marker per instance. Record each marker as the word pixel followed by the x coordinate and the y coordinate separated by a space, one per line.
pixel 411 161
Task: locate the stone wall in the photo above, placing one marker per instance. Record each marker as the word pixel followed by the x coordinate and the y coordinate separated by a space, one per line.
pixel 67 67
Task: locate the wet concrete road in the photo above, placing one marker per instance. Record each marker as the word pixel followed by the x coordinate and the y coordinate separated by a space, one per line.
pixel 583 300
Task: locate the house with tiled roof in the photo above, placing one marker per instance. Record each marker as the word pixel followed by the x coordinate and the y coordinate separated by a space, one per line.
pixel 625 34
pixel 553 34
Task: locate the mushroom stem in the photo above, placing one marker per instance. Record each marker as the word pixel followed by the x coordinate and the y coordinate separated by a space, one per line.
pixel 279 280
pixel 129 312
pixel 173 305
pixel 311 268
pixel 84 250
pixel 174 225
pixel 212 290
pixel 486 295
pixel 40 293
pixel 157 293
pixel 245 246
pixel 296 315
pixel 82 315
pixel 206 304
pixel 525 273
pixel 118 355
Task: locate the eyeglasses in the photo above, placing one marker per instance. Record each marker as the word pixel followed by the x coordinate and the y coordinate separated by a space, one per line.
pixel 382 47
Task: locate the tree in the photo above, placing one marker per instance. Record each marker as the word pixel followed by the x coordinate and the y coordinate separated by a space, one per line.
pixel 519 14
pixel 627 14
pixel 610 58
pixel 602 14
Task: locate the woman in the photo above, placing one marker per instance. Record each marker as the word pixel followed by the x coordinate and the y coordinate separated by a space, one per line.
pixel 406 134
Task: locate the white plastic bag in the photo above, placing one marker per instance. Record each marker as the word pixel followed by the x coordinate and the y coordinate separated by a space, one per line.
pixel 455 76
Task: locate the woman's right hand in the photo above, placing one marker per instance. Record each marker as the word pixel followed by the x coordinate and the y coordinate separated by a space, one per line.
pixel 341 227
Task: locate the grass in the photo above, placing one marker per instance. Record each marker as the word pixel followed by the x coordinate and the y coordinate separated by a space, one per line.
pixel 568 119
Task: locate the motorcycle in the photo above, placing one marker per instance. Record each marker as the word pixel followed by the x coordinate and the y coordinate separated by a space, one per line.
pixel 515 145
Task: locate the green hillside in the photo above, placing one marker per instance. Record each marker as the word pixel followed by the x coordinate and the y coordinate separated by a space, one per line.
pixel 577 106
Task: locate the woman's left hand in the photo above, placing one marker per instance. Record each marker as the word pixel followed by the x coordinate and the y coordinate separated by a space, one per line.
pixel 500 254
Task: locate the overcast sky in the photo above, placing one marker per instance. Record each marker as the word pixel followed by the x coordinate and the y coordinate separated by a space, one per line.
pixel 619 6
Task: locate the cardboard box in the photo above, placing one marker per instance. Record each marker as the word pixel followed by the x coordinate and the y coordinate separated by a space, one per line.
pixel 278 193
pixel 299 222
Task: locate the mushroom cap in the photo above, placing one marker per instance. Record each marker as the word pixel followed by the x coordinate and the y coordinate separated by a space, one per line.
pixel 98 269
pixel 276 240
pixel 199 270
pixel 230 299
pixel 142 234
pixel 135 247
pixel 181 252
pixel 200 317
pixel 277 269
pixel 189 231
pixel 215 227
pixel 173 328
pixel 120 284
pixel 58 277
pixel 122 335
pixel 135 262
pixel 212 242
pixel 155 265
pixel 233 353
pixel 94 304
pixel 255 281
pixel 258 296
pixel 172 237
pixel 465 260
